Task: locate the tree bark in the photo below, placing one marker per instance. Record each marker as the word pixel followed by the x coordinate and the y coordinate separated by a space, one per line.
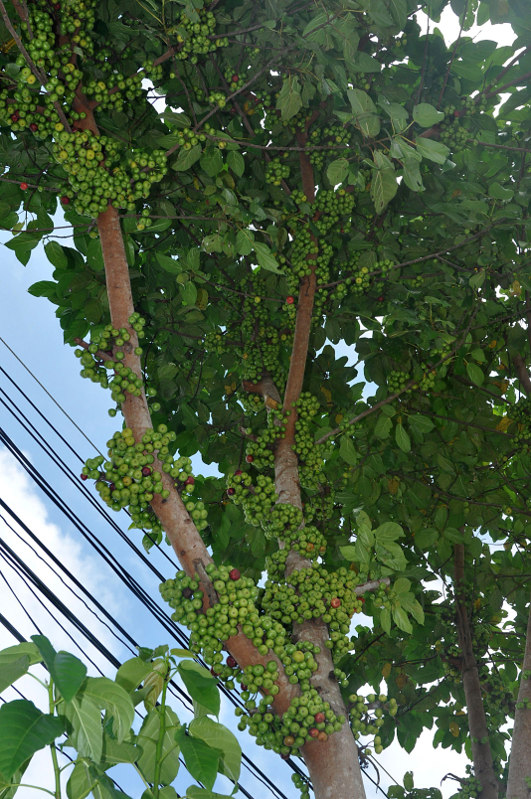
pixel 519 780
pixel 477 723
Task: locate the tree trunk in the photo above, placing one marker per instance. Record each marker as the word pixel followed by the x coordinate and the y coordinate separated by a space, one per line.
pixel 477 723
pixel 519 781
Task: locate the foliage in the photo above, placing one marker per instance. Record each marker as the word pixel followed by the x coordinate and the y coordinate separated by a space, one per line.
pixel 297 183
pixel 94 716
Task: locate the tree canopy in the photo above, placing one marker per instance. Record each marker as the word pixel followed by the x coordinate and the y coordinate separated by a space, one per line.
pixel 298 251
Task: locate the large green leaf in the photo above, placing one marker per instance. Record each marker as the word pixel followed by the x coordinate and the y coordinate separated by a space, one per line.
pixel 24 729
pixel 289 99
pixel 86 732
pixel 365 112
pixel 265 258
pixel 201 759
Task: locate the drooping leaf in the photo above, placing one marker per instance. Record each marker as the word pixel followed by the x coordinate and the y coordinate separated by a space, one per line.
pixel 201 685
pixel 201 759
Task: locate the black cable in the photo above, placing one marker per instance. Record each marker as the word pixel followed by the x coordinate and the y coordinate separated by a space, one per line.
pixel 68 573
pixel 248 763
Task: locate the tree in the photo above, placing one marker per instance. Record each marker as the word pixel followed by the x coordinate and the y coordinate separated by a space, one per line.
pixel 253 191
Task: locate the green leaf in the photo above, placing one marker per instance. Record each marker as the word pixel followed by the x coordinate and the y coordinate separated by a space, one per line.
pixel 265 258
pixel 24 729
pixel 408 781
pixel 420 424
pixel 172 265
pixel 187 158
pixel 289 99
pixel 148 740
pixel 383 427
pixel 113 698
pixel 401 586
pixel 432 150
pixel 56 255
pixel 86 733
pixel 411 173
pixel 477 279
pixel 402 438
pixel 426 115
pixel 365 112
pixel 219 737
pixel 413 607
pixel 244 242
pixel 201 760
pixel 388 531
pixel 349 552
pixel 385 620
pixel 118 752
pixel 337 171
pixel 69 674
pixel 15 653
pixel 11 669
pixel 212 161
pixel 201 685
pixel 189 293
pixel 401 620
pixel 475 373
pixel 23 244
pixel 82 780
pixel 391 555
pixel 46 649
pixel 132 673
pixel 236 162
pixel 383 182
pixel 347 450
pixel 425 538
pixel 397 113
pixel 499 192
